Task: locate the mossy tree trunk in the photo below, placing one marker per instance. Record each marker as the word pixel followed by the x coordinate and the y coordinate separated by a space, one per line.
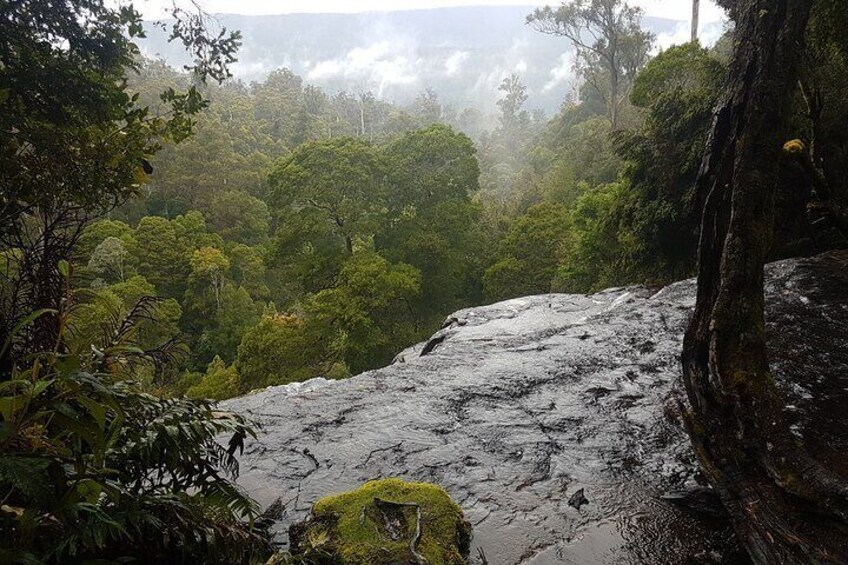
pixel 785 507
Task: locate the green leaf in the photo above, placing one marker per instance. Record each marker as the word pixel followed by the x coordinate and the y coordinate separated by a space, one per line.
pixel 89 490
pixel 14 384
pixel 11 405
pixel 22 324
pixel 96 409
pixel 41 386
pixel 28 475
pixel 68 364
pixel 132 350
pixel 88 431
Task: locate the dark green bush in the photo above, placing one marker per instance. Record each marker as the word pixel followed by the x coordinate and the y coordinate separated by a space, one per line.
pixel 91 467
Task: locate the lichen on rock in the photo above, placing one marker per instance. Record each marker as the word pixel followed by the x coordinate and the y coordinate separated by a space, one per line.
pixel 794 148
pixel 384 522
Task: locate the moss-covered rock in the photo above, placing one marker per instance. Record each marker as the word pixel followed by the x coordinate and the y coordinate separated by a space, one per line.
pixel 384 522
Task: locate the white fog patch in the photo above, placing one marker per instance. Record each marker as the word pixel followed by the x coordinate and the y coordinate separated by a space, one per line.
pixel 158 9
pixel 363 57
pixel 682 34
pixel 711 33
pixel 395 57
pixel 708 34
pixel 377 66
pixel 454 63
pixel 397 71
pixel 326 69
pixel 561 74
pixel 254 69
pixel 510 61
pixel 677 10
pixel 486 85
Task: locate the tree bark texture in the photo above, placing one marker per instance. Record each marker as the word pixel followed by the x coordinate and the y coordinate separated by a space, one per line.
pixel 785 506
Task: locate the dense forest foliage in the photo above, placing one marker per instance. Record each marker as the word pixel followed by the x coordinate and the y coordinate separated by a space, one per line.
pixel 170 237
pixel 299 234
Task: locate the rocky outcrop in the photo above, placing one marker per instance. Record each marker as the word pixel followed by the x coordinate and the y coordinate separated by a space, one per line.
pixel 515 408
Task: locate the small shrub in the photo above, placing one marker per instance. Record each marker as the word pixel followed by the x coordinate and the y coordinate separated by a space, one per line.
pixel 92 468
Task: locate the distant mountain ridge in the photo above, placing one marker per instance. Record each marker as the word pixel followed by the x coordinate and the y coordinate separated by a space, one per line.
pixel 463 54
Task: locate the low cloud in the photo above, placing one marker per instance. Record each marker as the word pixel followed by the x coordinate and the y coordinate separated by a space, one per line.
pixel 681 34
pixel 708 34
pixel 561 74
pixel 454 63
pixel 376 66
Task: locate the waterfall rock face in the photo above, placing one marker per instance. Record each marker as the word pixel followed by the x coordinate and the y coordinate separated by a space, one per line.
pixel 516 407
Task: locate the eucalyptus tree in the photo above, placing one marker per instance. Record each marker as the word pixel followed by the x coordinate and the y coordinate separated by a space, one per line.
pixel 696 16
pixel 610 45
pixel 514 97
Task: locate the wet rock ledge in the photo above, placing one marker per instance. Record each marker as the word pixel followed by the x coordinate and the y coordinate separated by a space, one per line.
pixel 514 408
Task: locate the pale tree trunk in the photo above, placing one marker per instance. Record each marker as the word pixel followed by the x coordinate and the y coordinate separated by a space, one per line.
pixel 696 13
pixel 614 99
pixel 786 508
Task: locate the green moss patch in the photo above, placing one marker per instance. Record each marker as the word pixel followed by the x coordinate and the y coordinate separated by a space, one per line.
pixel 385 522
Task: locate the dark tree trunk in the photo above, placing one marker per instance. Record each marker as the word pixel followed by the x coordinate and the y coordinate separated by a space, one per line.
pixel 786 507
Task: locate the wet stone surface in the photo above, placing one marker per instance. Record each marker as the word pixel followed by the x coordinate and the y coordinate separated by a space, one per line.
pixel 516 407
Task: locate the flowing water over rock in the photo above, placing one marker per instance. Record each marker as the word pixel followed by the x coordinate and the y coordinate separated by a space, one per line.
pixel 513 408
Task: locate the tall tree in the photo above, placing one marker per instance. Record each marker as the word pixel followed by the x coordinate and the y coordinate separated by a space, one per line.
pixel 341 179
pixel 161 255
pixel 529 254
pixel 109 260
pixel 74 141
pixel 429 221
pixel 611 46
pixel 428 108
pixel 208 267
pixel 515 95
pixel 238 216
pixel 786 507
pixel 362 320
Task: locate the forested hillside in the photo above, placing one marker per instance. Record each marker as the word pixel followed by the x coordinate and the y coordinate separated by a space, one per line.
pixel 463 53
pixel 300 234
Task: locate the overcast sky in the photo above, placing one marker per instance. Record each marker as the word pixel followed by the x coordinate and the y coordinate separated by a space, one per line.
pixel 673 9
